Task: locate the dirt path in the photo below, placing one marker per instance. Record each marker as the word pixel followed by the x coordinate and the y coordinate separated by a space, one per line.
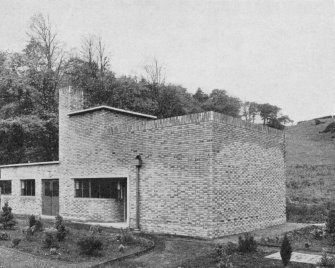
pixel 171 252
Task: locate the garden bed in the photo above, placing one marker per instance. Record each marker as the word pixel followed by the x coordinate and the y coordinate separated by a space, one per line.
pixel 68 250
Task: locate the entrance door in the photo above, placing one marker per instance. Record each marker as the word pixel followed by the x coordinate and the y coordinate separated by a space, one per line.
pixel 50 197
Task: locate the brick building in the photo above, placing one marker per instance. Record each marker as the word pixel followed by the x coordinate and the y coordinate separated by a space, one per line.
pixel 204 174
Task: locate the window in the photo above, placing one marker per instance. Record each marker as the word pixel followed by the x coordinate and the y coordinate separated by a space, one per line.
pixel 97 188
pixel 28 187
pixel 6 187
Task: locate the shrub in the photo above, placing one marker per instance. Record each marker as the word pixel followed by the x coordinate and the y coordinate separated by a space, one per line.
pixel 4 236
pixel 32 220
pixel 49 240
pixel 29 233
pixel 326 261
pixel 90 245
pixel 285 251
pixel 224 254
pixel 38 224
pixel 61 233
pixel 225 263
pixel 247 244
pixel 61 230
pixel 330 223
pixel 58 221
pixel 127 237
pixel 7 217
pixel 222 250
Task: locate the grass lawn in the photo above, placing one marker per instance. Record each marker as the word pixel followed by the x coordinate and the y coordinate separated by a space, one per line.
pixel 307 240
pixel 68 250
pixel 249 260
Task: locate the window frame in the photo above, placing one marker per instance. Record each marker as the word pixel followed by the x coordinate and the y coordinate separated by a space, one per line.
pixel 25 187
pixel 103 188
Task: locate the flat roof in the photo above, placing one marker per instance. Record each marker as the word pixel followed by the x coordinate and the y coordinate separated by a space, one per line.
pixel 113 110
pixel 30 164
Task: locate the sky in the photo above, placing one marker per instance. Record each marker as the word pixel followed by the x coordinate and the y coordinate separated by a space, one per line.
pixel 269 51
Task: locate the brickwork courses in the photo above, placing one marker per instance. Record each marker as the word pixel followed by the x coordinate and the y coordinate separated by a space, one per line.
pixel 204 175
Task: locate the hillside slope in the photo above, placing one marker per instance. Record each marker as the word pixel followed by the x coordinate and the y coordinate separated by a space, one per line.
pixel 310 171
pixel 305 145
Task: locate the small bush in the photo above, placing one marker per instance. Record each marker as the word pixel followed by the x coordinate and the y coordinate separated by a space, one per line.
pixel 7 217
pixel 247 244
pixel 61 233
pixel 330 223
pixel 29 233
pixel 90 245
pixel 58 221
pixel 38 224
pixel 285 251
pixel 223 250
pixel 49 240
pixel 225 263
pixel 224 254
pixel 61 230
pixel 31 221
pixel 4 236
pixel 95 229
pixel 126 237
pixel 326 261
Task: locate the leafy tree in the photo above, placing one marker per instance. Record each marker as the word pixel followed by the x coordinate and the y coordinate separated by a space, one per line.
pixel 284 119
pixel 200 96
pixel 268 112
pixel 250 111
pixel 219 101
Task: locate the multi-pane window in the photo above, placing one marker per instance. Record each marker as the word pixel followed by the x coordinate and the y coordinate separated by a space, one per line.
pixel 6 187
pixel 28 187
pixel 97 188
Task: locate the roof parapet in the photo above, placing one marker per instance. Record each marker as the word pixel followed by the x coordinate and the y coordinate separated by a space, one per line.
pixel 103 107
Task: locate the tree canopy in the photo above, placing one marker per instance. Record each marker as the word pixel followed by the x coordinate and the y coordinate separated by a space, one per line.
pixel 30 79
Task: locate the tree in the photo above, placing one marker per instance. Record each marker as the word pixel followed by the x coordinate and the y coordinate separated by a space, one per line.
pixel 268 112
pixel 219 101
pixel 249 111
pixel 200 96
pixel 284 119
pixel 44 62
pixel 155 72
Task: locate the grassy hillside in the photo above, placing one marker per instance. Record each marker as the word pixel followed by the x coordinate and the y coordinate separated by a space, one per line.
pixel 310 171
pixel 305 145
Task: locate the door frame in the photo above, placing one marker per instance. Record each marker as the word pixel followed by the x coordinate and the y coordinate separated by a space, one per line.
pixel 43 192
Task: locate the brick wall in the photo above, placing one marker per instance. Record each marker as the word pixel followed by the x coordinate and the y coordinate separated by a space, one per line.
pixel 203 174
pixel 27 204
pixel 84 154
pixel 248 183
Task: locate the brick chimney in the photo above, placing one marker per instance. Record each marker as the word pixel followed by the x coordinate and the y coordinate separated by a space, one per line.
pixel 70 99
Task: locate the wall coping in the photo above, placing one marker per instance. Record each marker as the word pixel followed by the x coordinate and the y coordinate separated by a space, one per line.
pixel 31 164
pixel 103 107
pixel 195 119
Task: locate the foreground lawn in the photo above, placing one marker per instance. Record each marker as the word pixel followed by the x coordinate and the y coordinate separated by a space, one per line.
pixel 310 238
pixel 249 260
pixel 68 250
